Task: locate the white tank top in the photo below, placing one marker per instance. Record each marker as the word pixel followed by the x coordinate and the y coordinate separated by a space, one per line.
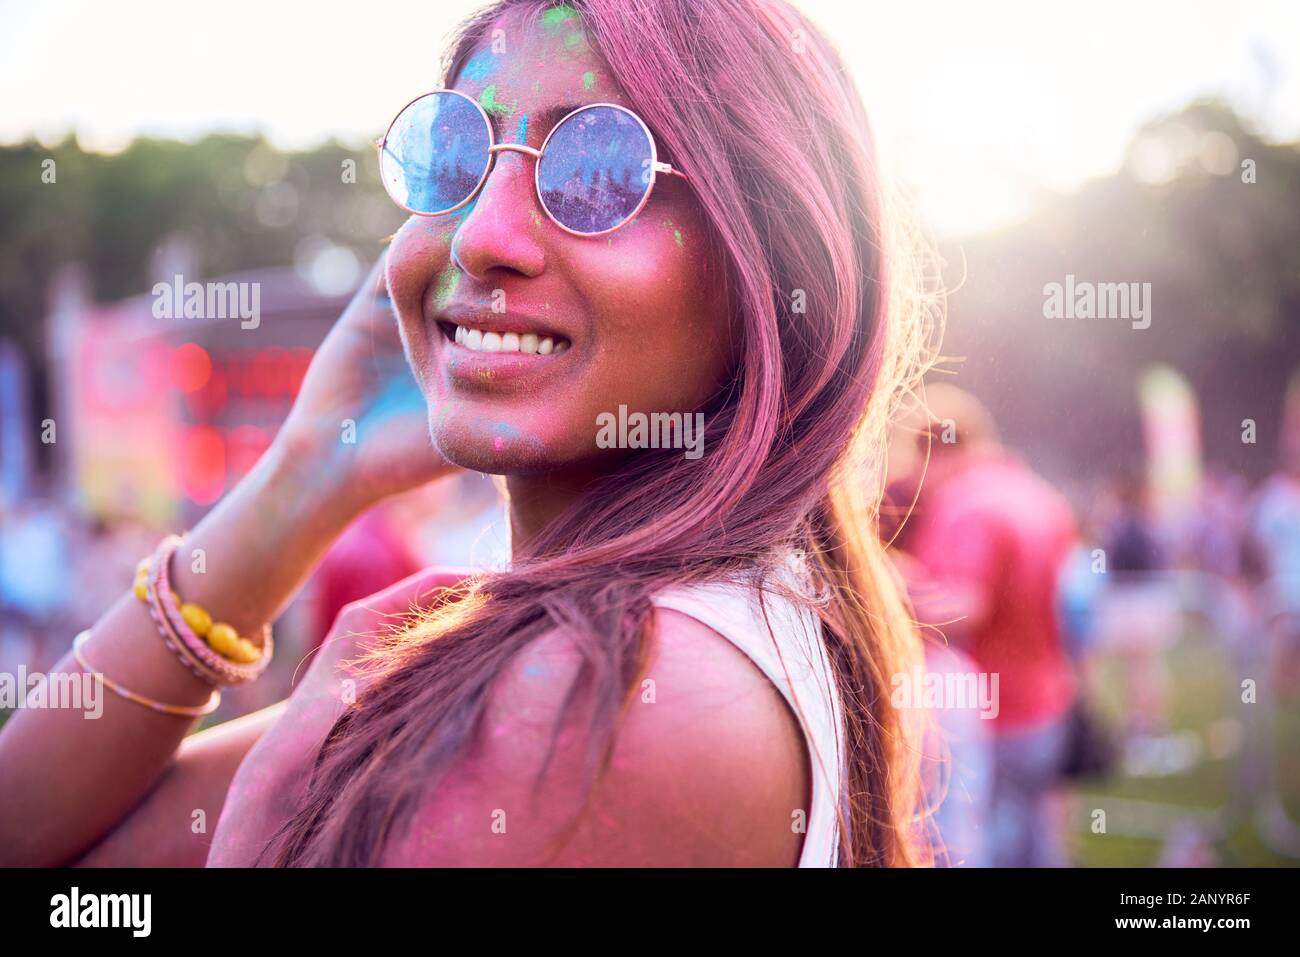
pixel 792 655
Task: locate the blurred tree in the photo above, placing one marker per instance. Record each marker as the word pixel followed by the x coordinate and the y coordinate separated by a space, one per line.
pixel 1223 259
pixel 239 202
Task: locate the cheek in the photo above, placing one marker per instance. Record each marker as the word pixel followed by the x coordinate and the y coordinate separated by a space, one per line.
pixel 661 316
pixel 419 257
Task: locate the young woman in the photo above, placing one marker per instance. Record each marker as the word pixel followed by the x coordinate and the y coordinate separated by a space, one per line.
pixel 688 660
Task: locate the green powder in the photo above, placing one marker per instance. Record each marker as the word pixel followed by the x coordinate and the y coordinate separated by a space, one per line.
pixel 588 80
pixel 488 100
pixel 448 280
pixel 554 17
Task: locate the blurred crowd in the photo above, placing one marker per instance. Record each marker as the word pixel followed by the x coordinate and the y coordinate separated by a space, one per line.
pixel 1076 609
pixel 1072 603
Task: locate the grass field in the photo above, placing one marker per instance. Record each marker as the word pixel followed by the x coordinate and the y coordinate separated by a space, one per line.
pixel 1205 700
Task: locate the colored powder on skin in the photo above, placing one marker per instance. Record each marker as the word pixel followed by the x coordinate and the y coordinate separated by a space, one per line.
pixel 447 283
pixel 677 233
pixel 488 100
pixel 521 134
pixel 400 396
pixel 478 67
pixel 537 217
pixel 504 432
pixel 537 86
pixel 576 41
pixel 588 80
pixel 556 16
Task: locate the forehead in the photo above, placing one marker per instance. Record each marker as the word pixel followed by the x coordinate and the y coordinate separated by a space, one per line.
pixel 532 68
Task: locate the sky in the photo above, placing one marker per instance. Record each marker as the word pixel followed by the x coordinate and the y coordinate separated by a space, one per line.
pixel 979 106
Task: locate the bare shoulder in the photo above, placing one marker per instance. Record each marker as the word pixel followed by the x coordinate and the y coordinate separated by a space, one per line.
pixel 387 609
pixel 708 768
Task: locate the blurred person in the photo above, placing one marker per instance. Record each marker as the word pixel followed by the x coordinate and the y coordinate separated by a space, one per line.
pixel 1274 522
pixel 1219 537
pixel 957 766
pixel 1275 533
pixel 368 558
pixel 1273 547
pixel 453 524
pixel 991 538
pixel 106 549
pixel 683 663
pixel 33 556
pixel 1129 538
pixel 1139 610
pixel 962 790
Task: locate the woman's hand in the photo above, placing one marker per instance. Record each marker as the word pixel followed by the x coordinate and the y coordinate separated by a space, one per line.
pixel 359 412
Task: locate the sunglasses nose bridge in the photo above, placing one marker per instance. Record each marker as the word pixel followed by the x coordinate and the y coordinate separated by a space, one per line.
pixel 515 148
pixel 497 148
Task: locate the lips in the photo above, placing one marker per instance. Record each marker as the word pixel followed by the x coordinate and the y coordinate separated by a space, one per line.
pixel 484 349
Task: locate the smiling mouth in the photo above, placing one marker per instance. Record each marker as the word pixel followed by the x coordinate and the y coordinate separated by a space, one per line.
pixel 479 340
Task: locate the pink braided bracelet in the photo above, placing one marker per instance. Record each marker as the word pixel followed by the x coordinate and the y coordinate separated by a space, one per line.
pixel 195 653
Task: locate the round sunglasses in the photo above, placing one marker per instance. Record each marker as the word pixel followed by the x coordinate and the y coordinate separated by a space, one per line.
pixel 593 174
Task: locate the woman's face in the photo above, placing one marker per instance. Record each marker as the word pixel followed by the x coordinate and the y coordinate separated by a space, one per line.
pixel 637 316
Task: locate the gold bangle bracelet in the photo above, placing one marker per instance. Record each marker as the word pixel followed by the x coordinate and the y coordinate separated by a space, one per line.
pixel 178 710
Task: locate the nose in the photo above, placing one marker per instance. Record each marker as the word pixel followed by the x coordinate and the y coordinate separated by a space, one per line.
pixel 502 230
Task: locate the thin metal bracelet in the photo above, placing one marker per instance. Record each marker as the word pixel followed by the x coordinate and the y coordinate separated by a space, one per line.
pixel 178 710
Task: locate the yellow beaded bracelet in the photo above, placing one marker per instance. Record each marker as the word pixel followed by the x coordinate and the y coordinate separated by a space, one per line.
pixel 221 638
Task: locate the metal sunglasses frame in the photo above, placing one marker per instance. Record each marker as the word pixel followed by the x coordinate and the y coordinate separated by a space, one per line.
pixel 494 148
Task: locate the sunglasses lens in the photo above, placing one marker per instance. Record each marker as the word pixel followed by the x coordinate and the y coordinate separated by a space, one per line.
pixel 596 169
pixel 436 153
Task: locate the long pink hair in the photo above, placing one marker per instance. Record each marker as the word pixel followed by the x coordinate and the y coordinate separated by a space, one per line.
pixel 749 98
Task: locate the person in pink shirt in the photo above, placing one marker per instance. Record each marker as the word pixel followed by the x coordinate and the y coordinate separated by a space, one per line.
pixel 989 538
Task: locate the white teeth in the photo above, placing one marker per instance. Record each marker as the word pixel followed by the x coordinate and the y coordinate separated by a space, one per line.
pixel 529 343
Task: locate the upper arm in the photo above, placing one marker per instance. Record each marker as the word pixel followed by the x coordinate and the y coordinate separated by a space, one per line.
pixel 172 825
pixel 708 768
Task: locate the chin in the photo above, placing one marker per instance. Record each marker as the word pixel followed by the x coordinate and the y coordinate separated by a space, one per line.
pixel 495 449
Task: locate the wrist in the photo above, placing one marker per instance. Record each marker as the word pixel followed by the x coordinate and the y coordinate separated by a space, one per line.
pixel 262 541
